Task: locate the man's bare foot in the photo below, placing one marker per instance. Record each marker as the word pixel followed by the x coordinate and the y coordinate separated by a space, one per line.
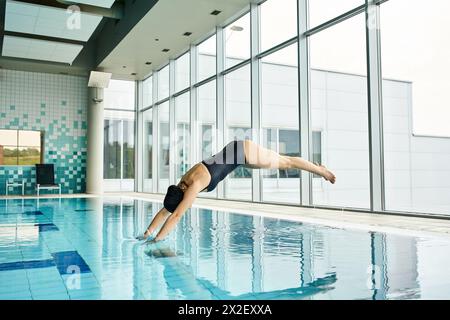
pixel 327 174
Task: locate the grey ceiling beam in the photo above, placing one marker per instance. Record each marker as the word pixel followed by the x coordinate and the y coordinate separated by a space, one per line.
pixel 115 12
pixel 2 22
pixel 41 37
pixel 115 30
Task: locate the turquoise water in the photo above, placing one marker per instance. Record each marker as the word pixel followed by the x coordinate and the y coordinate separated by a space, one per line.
pixel 86 249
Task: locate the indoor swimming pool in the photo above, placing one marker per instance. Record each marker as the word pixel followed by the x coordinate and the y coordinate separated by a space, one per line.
pixel 85 248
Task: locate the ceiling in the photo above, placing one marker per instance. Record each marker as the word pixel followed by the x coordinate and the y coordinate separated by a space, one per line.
pixel 116 36
pixel 166 21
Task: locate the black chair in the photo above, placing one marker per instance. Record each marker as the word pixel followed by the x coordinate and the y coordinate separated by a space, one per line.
pixel 45 178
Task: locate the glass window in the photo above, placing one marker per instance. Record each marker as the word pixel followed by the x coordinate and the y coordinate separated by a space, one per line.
pixel 317 149
pixel 278 22
pixel 128 149
pixel 339 111
pixel 416 90
pixel 206 123
pixel 237 41
pixel 320 11
pixel 182 74
pixel 118 148
pixel 163 83
pixel 238 185
pixel 112 149
pixel 183 128
pixel 164 145
pixel 206 59
pixel 20 147
pixel 148 150
pixel 280 122
pixel 120 94
pixel 147 92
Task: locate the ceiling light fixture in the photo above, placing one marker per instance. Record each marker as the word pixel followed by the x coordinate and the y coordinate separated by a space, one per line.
pixel 165 50
pixel 215 12
pixel 187 34
pixel 236 28
pixel 148 63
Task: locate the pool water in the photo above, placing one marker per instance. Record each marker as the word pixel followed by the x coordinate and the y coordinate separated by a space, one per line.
pixel 85 248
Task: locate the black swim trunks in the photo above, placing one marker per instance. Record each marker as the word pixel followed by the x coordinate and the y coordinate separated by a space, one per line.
pixel 224 162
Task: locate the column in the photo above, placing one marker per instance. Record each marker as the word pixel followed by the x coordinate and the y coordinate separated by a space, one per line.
pixel 94 170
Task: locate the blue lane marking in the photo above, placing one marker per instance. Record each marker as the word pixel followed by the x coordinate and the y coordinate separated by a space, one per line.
pixel 35 213
pixel 67 260
pixel 44 227
pixel 8 266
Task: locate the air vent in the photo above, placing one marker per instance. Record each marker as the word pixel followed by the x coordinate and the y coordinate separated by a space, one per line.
pixel 187 34
pixel 165 50
pixel 216 12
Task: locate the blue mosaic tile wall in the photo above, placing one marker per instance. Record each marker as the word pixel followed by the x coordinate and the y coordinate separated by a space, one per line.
pixel 56 104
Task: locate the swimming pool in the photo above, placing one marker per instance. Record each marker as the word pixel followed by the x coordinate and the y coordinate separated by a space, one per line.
pixel 84 248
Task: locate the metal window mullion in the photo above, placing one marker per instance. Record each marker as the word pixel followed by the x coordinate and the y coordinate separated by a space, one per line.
pixel 375 112
pixel 155 127
pixel 303 96
pixel 255 99
pixel 172 125
pixel 220 99
pixel 121 152
pixel 195 146
pixel 138 134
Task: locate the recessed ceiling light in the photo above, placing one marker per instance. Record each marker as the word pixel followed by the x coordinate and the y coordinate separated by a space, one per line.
pixel 237 28
pixel 165 50
pixel 156 39
pixel 124 67
pixel 215 12
pixel 148 63
pixel 187 34
pixel 134 73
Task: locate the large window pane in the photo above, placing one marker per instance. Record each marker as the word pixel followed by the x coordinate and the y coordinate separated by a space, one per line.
pixel 30 138
pixel 128 149
pixel 416 86
pixel 8 138
pixel 9 155
pixel 207 124
pixel 147 92
pixel 237 41
pixel 120 95
pixel 112 149
pixel 163 83
pixel 148 150
pixel 279 100
pixel 238 116
pixel 278 22
pixel 182 148
pixel 206 58
pixel 321 11
pixel 163 152
pixel 29 156
pixel 20 147
pixel 339 111
pixel 182 73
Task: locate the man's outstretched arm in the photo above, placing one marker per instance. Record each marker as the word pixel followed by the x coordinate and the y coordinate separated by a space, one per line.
pixel 189 196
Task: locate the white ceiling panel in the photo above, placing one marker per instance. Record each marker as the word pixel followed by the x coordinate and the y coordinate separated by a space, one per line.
pixel 18 47
pixel 48 21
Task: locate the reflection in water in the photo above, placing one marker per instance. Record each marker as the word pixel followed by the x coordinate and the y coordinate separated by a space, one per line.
pixel 219 255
